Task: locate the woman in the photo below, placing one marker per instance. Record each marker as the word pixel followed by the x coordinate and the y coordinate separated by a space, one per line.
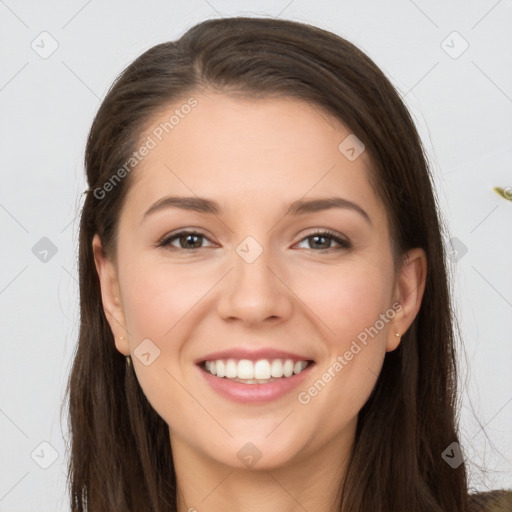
pixel 265 316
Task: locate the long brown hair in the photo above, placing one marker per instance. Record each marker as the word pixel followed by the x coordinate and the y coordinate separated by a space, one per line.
pixel 121 457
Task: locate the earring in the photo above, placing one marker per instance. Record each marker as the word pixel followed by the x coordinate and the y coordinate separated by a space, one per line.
pixel 398 335
pixel 128 360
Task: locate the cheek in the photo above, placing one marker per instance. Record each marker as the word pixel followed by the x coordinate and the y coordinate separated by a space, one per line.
pixel 156 300
pixel 354 308
pixel 363 322
pixel 348 300
pixel 157 297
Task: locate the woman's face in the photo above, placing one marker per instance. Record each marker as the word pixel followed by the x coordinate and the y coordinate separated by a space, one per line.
pixel 254 284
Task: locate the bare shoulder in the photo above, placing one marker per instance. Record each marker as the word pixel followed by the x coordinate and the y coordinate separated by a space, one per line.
pixel 492 501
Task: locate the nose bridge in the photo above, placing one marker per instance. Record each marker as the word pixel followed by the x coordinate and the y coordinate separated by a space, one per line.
pixel 254 292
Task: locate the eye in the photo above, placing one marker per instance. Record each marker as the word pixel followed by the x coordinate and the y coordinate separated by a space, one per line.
pixel 190 240
pixel 325 238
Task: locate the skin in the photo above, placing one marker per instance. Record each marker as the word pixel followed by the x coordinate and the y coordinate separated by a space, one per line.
pixel 255 157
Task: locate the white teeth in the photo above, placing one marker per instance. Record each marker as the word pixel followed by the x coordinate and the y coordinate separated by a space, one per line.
pixel 262 369
pixel 245 369
pixel 221 369
pixel 231 369
pixel 276 370
pixel 288 368
pixel 299 366
pixel 255 371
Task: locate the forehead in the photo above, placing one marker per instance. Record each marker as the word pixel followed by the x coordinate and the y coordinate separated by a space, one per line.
pixel 247 149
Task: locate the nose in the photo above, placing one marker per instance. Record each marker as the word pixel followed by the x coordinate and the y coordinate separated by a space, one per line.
pixel 255 292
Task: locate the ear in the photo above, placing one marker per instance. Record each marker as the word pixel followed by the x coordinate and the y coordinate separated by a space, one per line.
pixel 110 296
pixel 408 292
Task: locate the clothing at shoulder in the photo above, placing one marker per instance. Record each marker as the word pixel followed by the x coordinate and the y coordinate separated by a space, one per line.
pixel 492 501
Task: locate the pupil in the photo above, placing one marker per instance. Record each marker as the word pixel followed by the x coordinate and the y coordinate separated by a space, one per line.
pixel 189 237
pixel 316 237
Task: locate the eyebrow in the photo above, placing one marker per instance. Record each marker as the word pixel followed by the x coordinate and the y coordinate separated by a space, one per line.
pixel 299 207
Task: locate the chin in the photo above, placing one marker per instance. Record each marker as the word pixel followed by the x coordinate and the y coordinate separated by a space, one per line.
pixel 259 455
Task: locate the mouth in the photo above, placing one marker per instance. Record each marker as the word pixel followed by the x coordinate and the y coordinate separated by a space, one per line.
pixel 261 371
pixel 251 378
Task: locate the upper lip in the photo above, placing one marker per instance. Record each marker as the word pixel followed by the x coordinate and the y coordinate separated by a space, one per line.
pixel 252 355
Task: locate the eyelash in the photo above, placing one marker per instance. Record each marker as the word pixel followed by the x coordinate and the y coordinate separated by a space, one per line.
pixel 344 244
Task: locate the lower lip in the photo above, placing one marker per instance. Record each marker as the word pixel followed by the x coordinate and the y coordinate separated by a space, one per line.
pixel 255 393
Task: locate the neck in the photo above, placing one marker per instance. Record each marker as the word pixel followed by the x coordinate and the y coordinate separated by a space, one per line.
pixel 308 482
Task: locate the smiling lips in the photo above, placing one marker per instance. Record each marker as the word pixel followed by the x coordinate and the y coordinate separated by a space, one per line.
pixel 255 372
pixel 256 365
pixel 270 373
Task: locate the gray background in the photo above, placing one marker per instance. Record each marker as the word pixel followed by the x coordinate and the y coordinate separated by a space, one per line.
pixel 461 100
